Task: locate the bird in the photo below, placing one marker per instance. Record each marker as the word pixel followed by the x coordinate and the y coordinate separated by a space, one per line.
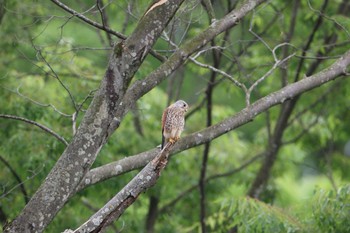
pixel 173 122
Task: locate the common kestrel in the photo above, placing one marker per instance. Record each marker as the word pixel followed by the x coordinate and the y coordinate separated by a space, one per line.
pixel 173 122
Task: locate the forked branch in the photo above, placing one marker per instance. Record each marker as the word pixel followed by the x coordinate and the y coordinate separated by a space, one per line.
pixel 144 180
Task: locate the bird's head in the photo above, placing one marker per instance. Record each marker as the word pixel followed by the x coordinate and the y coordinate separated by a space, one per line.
pixel 181 104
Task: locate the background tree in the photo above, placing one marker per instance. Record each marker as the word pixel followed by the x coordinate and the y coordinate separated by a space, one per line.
pixel 84 85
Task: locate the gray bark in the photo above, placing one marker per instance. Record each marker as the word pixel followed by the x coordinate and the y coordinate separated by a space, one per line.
pixel 114 99
pixel 145 179
pixel 336 70
pixel 95 128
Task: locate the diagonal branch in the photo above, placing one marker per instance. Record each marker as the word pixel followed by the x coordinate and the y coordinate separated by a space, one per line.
pixel 94 130
pixel 100 26
pixel 87 20
pixel 244 116
pixel 104 19
pixel 144 180
pixel 46 129
pixel 19 180
pixel 141 87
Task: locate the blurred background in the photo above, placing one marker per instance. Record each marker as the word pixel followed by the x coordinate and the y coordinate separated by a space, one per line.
pixel 286 171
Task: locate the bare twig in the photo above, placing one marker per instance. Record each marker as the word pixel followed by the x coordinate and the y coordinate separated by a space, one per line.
pixel 210 10
pixel 55 75
pixel 268 73
pixel 87 20
pixel 314 104
pixel 79 108
pixel 38 103
pixel 19 180
pixel 99 26
pixel 127 15
pixel 309 41
pixel 329 18
pixel 303 132
pixel 21 184
pixel 223 73
pixel 201 137
pixel 214 69
pixel 104 18
pixel 46 129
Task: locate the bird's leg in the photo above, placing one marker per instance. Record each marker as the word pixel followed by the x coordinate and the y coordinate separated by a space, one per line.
pixel 172 140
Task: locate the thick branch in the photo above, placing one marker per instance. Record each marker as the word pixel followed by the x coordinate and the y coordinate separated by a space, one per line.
pixel 244 116
pixel 100 26
pixel 145 179
pixel 141 87
pixel 94 130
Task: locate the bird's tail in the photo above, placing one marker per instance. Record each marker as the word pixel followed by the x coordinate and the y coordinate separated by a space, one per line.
pixel 163 142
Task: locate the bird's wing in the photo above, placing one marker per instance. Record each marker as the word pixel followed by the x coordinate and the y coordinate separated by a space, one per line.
pixel 164 117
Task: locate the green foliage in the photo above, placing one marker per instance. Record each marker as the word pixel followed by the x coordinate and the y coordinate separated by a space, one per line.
pixel 325 211
pixel 51 63
pixel 331 210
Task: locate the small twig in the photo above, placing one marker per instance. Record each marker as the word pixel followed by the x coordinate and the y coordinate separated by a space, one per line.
pixel 20 184
pixel 104 19
pixel 302 133
pixel 55 75
pixel 311 37
pixel 79 108
pixel 329 18
pixel 314 104
pixel 268 73
pixel 210 10
pixel 255 34
pixel 319 57
pixel 87 20
pixel 46 129
pixel 40 104
pixel 127 16
pixel 100 26
pixel 194 57
pixel 223 73
pixel 19 180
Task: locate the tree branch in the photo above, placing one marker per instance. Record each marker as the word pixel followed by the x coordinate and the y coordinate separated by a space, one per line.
pixel 336 70
pixel 87 20
pixel 99 26
pixel 104 19
pixel 282 123
pixel 141 87
pixel 145 179
pixel 95 128
pixel 19 180
pixel 46 129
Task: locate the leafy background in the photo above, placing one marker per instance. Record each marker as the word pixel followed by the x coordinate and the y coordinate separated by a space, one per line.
pixel 308 190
